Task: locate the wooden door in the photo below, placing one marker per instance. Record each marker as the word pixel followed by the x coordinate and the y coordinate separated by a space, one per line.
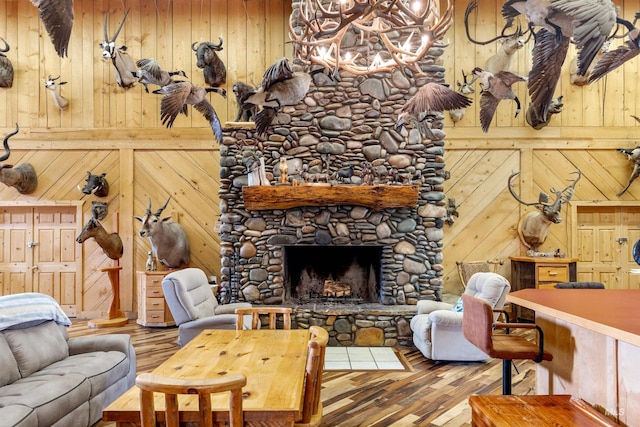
pixel 39 253
pixel 16 258
pixel 605 236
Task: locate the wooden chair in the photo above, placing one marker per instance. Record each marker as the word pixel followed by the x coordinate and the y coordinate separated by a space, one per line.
pixel 312 405
pixel 255 313
pixel 172 387
pixel 478 328
pixel 468 269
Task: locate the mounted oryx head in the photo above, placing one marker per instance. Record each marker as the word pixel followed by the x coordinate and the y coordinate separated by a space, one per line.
pixel 169 241
pixel 96 184
pixel 6 69
pixel 215 73
pixel 534 226
pixel 124 67
pixel 111 243
pixel 53 85
pixel 22 177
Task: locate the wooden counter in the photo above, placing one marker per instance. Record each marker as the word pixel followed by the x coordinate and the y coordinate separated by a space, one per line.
pixel 594 336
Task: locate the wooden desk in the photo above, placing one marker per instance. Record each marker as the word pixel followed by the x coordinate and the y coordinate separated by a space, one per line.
pixel 533 411
pixel 594 336
pixel 272 360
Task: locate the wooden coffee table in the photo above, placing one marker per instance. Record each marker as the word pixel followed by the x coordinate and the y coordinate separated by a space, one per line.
pixel 272 360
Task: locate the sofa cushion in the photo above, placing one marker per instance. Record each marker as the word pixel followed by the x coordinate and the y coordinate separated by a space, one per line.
pixel 37 347
pixel 52 396
pixel 18 416
pixel 101 368
pixel 9 371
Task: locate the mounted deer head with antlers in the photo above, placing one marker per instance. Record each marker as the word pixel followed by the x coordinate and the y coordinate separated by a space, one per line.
pixel 318 27
pixel 534 226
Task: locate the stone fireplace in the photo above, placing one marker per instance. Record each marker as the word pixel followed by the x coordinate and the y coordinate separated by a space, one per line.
pixel 390 257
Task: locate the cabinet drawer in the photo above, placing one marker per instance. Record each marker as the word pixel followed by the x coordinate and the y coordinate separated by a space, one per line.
pixel 553 273
pixel 155 303
pixel 154 316
pixel 154 292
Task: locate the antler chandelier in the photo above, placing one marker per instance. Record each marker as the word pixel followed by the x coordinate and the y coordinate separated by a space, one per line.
pixel 389 34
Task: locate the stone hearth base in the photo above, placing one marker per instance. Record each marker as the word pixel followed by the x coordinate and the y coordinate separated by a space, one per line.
pixel 365 325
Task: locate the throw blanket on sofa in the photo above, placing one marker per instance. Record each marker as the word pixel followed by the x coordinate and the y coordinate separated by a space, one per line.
pixel 30 308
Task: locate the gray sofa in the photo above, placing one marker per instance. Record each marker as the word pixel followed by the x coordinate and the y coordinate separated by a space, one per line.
pixel 48 379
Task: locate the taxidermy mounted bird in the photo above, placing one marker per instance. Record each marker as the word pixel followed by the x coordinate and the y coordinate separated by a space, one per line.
pixel 57 17
pixel 280 86
pixel 633 154
pixel 430 98
pixel 615 58
pixel 180 94
pixel 150 73
pixel 495 88
pixel 588 22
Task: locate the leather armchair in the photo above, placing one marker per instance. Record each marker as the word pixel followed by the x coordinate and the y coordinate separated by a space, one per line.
pixel 193 305
pixel 437 330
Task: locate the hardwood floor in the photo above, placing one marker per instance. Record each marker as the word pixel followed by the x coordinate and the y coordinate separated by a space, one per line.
pixel 434 394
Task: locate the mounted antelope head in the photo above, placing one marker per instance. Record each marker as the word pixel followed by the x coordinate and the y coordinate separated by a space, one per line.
pixel 111 243
pixel 169 241
pixel 54 86
pixel 534 226
pixel 22 177
pixel 124 68
pixel 465 88
pixel 6 69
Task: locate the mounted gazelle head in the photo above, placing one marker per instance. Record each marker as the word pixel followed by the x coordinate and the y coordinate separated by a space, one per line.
pixel 534 226
pixel 52 84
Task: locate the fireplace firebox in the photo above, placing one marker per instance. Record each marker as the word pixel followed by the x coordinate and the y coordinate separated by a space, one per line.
pixel 348 274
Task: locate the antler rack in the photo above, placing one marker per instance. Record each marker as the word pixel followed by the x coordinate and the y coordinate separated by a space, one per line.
pixel 318 28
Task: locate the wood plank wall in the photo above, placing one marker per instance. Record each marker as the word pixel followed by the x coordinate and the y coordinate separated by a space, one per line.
pixel 108 129
pixel 119 132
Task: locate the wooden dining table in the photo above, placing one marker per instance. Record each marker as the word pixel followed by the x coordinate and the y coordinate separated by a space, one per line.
pixel 272 360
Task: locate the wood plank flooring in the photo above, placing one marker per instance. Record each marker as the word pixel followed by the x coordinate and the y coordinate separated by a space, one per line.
pixel 434 394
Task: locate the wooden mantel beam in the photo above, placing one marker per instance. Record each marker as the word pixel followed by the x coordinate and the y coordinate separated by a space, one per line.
pixel 266 197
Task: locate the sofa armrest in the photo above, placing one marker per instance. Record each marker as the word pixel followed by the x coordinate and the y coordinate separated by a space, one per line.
pixel 111 342
pixel 230 308
pixel 446 318
pixel 427 306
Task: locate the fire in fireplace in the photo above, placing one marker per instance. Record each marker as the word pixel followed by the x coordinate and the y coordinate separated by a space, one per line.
pixel 348 274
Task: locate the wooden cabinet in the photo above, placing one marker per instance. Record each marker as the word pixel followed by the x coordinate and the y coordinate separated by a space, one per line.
pixel 152 307
pixel 539 273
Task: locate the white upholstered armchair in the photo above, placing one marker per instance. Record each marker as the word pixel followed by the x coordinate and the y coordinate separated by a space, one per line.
pixel 437 328
pixel 193 305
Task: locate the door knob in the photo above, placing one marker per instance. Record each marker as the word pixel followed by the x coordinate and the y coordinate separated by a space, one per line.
pixel 32 244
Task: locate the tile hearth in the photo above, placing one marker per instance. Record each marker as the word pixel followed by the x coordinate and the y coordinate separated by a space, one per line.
pixel 362 359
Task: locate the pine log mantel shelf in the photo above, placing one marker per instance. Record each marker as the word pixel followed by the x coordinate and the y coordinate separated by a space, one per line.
pixel 264 197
